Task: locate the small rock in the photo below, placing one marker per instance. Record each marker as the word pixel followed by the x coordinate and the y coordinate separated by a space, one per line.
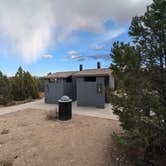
pixel 15 156
pixel 117 159
pixel 5 131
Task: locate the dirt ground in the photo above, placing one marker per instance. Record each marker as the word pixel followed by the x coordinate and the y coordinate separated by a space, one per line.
pixel 27 138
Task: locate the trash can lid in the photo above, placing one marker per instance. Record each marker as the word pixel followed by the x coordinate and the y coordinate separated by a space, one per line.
pixel 64 99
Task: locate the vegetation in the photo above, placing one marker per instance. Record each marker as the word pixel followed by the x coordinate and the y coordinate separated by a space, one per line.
pixel 140 72
pixel 20 87
pixel 6 163
pixel 5 89
pixel 4 131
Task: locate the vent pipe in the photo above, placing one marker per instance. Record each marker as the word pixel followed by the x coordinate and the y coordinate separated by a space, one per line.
pixel 98 65
pixel 81 67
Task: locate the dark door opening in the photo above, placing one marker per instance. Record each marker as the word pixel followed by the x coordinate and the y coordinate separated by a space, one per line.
pixel 106 89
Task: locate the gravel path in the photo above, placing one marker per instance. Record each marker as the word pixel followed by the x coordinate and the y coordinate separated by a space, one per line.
pixel 106 113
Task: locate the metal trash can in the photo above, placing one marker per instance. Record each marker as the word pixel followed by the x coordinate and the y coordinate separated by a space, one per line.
pixel 65 108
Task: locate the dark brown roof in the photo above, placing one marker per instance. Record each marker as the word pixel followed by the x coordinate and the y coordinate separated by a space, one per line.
pixel 93 72
pixel 60 75
pixel 83 73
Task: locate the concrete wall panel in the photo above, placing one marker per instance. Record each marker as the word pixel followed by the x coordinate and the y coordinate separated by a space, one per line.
pixel 87 93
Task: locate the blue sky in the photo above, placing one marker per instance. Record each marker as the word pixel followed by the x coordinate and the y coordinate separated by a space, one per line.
pixel 48 36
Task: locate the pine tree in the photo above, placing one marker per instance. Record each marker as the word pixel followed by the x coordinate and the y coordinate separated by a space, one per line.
pixel 31 86
pixel 18 89
pixel 140 97
pixel 24 85
pixel 5 89
pixel 149 33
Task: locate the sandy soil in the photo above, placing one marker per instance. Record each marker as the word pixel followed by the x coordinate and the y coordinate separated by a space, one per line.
pixel 32 140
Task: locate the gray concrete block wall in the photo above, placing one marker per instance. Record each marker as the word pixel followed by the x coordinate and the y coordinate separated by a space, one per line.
pixel 83 91
pixel 68 90
pixel 87 93
pixel 53 91
pixel 74 88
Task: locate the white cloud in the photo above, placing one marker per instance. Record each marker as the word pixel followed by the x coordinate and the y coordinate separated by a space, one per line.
pixel 98 48
pixel 102 40
pixel 72 52
pixel 44 74
pixel 111 34
pixel 30 27
pixel 73 57
pixel 89 57
pixel 47 56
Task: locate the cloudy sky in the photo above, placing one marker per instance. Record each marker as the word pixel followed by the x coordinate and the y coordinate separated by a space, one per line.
pixel 56 35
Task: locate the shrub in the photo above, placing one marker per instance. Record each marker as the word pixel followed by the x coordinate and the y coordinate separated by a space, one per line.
pixel 6 163
pixel 52 114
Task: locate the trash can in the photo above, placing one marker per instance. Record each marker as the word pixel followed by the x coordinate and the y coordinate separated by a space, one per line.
pixel 65 108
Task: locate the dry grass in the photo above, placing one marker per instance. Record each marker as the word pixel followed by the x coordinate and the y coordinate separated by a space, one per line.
pixel 4 131
pixel 6 163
